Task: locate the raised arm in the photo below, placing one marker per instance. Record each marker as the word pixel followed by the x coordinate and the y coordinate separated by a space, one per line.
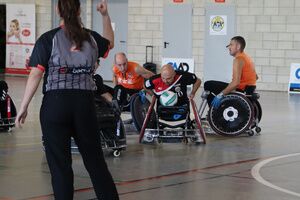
pixel 108 32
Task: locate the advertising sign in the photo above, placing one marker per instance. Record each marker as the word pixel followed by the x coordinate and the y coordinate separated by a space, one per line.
pixel 183 64
pixel 218 25
pixel 294 83
pixel 20 37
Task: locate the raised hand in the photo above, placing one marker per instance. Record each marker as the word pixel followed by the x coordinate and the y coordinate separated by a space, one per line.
pixel 102 7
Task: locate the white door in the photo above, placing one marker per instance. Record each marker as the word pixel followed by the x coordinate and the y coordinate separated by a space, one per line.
pixel 219 29
pixel 118 11
pixel 177 31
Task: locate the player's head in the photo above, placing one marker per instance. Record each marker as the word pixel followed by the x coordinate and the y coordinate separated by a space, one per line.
pixel 168 74
pixel 237 45
pixel 121 61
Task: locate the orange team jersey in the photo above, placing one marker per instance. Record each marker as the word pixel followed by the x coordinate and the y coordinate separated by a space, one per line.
pixel 248 76
pixel 131 80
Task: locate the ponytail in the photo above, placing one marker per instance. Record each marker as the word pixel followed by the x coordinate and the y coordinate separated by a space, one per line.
pixel 68 10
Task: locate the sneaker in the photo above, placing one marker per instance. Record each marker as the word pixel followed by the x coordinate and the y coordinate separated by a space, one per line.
pixel 197 139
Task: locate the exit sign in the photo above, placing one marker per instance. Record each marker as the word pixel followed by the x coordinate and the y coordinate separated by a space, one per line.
pixel 220 1
pixel 178 1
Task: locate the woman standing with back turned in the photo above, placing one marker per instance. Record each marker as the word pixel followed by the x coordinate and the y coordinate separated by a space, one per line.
pixel 67 55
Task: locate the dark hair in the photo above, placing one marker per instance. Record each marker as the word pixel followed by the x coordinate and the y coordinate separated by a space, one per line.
pixel 68 10
pixel 241 41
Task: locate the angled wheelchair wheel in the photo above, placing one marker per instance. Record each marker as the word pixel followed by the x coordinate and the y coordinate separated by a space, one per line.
pixel 233 117
pixel 115 135
pixel 138 109
pixel 257 110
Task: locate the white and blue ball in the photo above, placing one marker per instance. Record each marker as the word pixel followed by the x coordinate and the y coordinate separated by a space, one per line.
pixel 168 98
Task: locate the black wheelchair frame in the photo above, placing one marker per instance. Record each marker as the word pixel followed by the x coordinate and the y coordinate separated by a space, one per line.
pixel 8 114
pixel 112 131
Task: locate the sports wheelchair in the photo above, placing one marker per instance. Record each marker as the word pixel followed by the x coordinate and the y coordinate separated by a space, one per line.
pixel 158 126
pixel 8 110
pixel 135 104
pixel 112 131
pixel 239 112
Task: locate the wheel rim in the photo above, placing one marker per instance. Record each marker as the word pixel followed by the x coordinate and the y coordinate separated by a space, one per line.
pixel 117 153
pixel 232 117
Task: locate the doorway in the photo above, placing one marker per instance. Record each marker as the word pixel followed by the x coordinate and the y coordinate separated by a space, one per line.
pixel 2 37
pixel 177 37
pixel 219 29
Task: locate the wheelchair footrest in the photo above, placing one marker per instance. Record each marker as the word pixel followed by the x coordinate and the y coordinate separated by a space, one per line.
pixel 171 135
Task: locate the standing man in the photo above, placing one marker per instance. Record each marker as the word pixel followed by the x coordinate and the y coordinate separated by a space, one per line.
pixel 128 78
pixel 243 74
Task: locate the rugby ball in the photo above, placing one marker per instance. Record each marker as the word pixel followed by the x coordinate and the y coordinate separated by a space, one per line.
pixel 168 98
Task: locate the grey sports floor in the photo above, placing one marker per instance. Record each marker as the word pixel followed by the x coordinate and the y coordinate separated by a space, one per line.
pixel 261 167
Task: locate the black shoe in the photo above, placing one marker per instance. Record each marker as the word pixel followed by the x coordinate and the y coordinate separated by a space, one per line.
pixel 116 107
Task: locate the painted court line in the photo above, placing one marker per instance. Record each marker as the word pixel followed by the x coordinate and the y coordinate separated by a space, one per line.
pixel 256 174
pixel 129 182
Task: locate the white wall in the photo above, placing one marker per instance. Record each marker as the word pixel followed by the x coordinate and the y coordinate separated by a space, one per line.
pixel 271 29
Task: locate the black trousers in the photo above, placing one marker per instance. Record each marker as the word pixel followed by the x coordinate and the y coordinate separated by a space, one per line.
pixel 215 87
pixel 69 113
pixel 122 94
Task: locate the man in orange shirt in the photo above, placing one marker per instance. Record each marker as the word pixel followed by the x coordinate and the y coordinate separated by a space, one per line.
pixel 128 78
pixel 243 73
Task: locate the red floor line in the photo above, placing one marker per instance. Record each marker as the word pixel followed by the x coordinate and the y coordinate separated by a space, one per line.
pixel 186 172
pixel 45 197
pixel 5 198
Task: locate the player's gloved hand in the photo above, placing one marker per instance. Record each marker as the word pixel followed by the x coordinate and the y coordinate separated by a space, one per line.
pixel 142 96
pixel 217 100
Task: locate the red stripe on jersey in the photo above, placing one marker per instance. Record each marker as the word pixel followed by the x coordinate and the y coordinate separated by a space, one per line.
pixel 159 85
pixel 106 53
pixel 41 67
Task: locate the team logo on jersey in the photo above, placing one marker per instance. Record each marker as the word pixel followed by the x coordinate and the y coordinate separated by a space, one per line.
pixel 177 89
pixel 75 70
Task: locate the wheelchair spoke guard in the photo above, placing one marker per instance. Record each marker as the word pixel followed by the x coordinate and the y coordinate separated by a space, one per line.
pixel 138 109
pixel 233 117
